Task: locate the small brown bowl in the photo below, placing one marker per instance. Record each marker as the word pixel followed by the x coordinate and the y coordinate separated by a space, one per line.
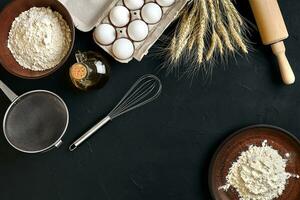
pixel 240 141
pixel 8 15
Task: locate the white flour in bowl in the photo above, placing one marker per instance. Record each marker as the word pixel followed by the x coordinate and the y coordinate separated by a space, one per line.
pixel 258 174
pixel 39 39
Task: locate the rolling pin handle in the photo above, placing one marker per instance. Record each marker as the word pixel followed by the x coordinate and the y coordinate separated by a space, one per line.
pixel 286 71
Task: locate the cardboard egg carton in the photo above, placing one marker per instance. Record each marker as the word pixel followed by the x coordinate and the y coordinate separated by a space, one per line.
pixel 88 14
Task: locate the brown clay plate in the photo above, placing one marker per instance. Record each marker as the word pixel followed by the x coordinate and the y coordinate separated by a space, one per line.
pixel 7 16
pixel 231 148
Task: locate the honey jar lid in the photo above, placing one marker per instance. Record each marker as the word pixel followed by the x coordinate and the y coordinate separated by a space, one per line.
pixel 78 71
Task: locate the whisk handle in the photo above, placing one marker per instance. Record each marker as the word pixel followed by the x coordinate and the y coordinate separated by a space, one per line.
pixel 89 133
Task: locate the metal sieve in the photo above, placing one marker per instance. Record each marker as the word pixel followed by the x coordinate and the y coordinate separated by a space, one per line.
pixel 35 121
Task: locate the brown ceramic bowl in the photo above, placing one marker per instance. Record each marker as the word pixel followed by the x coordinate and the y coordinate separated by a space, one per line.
pixel 7 16
pixel 240 141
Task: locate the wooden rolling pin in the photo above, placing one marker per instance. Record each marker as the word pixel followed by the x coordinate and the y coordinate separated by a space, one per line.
pixel 273 31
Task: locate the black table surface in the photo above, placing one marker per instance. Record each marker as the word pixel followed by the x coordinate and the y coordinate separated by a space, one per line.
pixel 162 150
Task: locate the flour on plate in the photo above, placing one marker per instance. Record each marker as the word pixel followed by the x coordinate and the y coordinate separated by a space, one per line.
pixel 258 174
pixel 39 39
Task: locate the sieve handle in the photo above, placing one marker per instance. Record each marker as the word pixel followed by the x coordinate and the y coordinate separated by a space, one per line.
pixel 89 133
pixel 8 92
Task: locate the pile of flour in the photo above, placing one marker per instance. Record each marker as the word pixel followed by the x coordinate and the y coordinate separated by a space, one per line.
pixel 39 39
pixel 258 174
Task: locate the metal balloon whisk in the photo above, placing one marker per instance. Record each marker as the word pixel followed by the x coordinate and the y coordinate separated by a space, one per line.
pixel 143 91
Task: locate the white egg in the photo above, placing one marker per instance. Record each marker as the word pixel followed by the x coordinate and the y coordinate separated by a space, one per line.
pixel 165 3
pixel 105 34
pixel 134 4
pixel 123 48
pixel 137 30
pixel 151 13
pixel 119 16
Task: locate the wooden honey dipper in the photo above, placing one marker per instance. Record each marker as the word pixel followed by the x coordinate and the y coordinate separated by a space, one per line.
pixel 273 31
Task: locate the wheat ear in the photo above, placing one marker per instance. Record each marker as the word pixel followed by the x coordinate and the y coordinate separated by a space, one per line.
pixel 185 31
pixel 212 11
pixel 219 44
pixel 221 29
pixel 233 19
pixel 231 8
pixel 236 35
pixel 193 36
pixel 233 26
pixel 213 45
pixel 173 48
pixel 181 41
pixel 202 29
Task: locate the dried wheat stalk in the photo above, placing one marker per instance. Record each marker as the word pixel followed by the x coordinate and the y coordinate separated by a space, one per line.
pixel 211 28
